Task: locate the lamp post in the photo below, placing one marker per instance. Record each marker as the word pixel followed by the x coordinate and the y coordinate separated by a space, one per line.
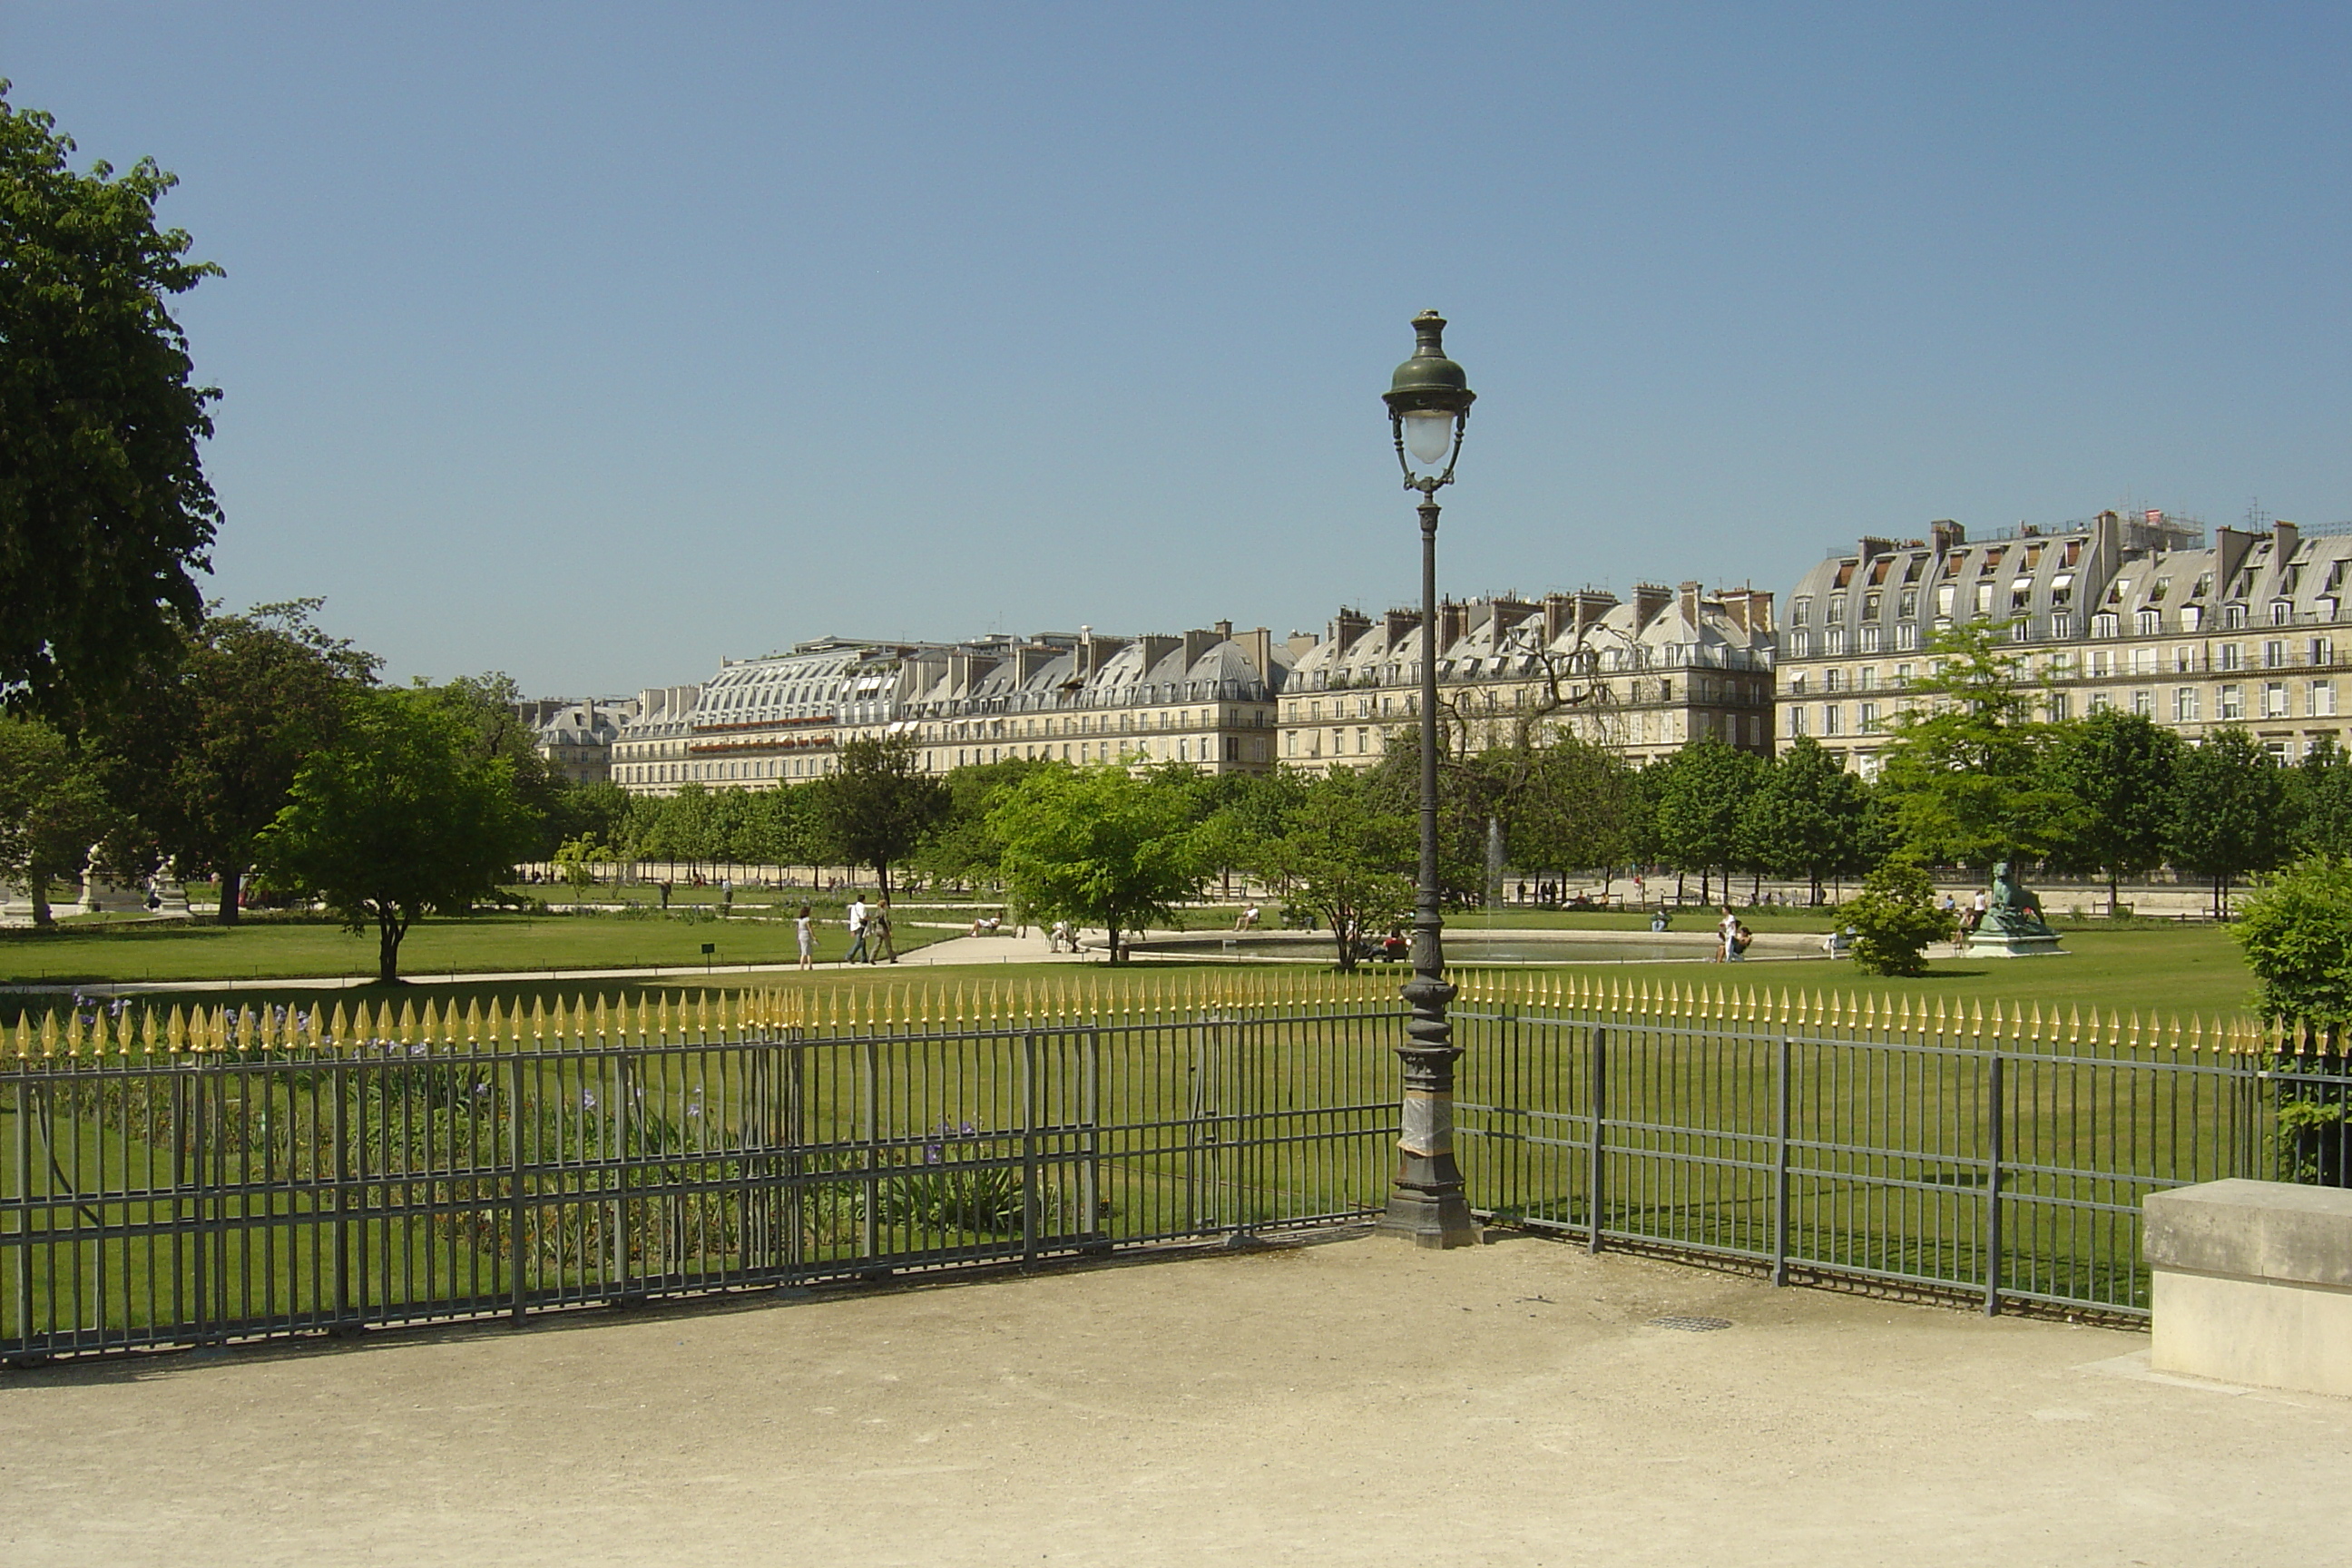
pixel 1429 405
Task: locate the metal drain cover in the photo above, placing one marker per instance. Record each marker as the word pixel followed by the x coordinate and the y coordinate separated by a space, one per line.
pixel 1691 1325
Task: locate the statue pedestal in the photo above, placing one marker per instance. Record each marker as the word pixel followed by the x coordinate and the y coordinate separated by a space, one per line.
pixel 1989 943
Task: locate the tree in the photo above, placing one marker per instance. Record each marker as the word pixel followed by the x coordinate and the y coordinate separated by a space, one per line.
pixel 203 750
pixel 877 807
pixel 52 809
pixel 963 848
pixel 1806 817
pixel 1962 772
pixel 1702 800
pixel 1341 853
pixel 1569 805
pixel 2225 817
pixel 1894 919
pixel 104 507
pixel 489 708
pixel 2115 768
pixel 2321 790
pixel 402 816
pixel 686 828
pixel 1097 847
pixel 2296 931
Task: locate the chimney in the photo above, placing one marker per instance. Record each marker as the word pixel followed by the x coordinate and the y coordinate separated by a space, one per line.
pixel 1300 645
pixel 1688 595
pixel 1395 626
pixel 1649 599
pixel 1509 611
pixel 2288 537
pixel 1750 609
pixel 1225 631
pixel 1453 620
pixel 1198 643
pixel 1258 646
pixel 1591 603
pixel 1031 659
pixel 1873 546
pixel 1558 611
pixel 1157 649
pixel 1347 626
pixel 1947 535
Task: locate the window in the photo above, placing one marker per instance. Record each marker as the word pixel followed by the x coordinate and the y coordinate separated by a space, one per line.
pixel 2281 612
pixel 1869 720
pixel 1833 681
pixel 1870 606
pixel 1984 599
pixel 1837 608
pixel 2322 700
pixel 1800 645
pixel 2229 704
pixel 2184 705
pixel 2143 660
pixel 2273 654
pixel 2105 624
pixel 1907 604
pixel 1944 602
pixel 1869 639
pixel 1797 683
pixel 2323 651
pixel 2061 588
pixel 2020 630
pixel 2099 658
pixel 1801 613
pixel 2062 624
pixel 1902 675
pixel 1830 713
pixel 2273 698
pixel 2233 656
pixel 1906 636
pixel 2184 660
pixel 2234 618
pixel 2192 617
pixel 2058 707
pixel 2020 596
pixel 1833 641
pixel 1866 677
pixel 2150 622
pixel 1796 722
pixel 2144 704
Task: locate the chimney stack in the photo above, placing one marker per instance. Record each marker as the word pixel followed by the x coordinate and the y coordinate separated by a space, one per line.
pixel 1649 599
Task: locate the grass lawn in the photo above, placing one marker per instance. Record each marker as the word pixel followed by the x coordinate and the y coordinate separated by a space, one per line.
pixel 264 949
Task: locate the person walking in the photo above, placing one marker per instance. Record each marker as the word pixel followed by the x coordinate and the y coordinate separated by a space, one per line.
pixel 805 933
pixel 1727 928
pixel 857 933
pixel 877 925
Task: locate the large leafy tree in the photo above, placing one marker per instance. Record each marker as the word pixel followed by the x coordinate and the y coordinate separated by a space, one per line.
pixel 877 806
pixel 1806 817
pixel 403 816
pixel 963 849
pixel 2225 817
pixel 1963 773
pixel 2115 770
pixel 489 708
pixel 2296 932
pixel 1342 851
pixel 203 751
pixel 1097 847
pixel 104 509
pixel 52 808
pixel 1701 804
pixel 2321 789
pixel 1567 804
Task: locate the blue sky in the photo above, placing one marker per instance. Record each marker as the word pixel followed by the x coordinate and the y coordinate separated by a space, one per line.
pixel 593 343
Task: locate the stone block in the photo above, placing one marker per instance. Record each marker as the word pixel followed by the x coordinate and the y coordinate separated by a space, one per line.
pixel 2253 1284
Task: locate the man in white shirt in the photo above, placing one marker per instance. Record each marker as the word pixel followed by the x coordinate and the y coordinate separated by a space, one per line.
pixel 856 930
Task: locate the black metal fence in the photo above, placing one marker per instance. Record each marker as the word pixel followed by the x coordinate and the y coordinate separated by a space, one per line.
pixel 186 1179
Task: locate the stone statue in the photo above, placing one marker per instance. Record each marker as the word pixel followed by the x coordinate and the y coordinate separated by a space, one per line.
pixel 2012 926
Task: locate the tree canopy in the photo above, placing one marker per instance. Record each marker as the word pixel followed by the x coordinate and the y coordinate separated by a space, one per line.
pixel 1343 852
pixel 105 512
pixel 2115 770
pixel 877 807
pixel 52 809
pixel 403 816
pixel 1963 769
pixel 1097 847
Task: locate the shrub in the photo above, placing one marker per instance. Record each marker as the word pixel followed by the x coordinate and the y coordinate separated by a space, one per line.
pixel 2296 931
pixel 1894 919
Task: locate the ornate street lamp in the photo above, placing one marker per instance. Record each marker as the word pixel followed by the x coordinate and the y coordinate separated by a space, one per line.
pixel 1429 405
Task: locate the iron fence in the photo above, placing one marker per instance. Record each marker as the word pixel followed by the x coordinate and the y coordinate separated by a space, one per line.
pixel 2002 1156
pixel 192 1179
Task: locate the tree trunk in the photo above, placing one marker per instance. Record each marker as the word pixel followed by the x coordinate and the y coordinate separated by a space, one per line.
pixel 1340 943
pixel 232 893
pixel 388 932
pixel 2113 897
pixel 37 889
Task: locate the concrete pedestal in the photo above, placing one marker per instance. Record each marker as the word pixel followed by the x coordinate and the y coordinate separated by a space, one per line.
pixel 2253 1284
pixel 1990 943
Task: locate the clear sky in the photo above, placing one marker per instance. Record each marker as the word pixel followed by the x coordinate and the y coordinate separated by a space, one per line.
pixel 594 342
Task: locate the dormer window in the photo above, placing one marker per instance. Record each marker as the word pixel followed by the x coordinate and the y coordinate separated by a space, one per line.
pixel 1801 613
pixel 2281 612
pixel 1907 606
pixel 2061 588
pixel 1870 605
pixel 1837 607
pixel 2233 616
pixel 2150 622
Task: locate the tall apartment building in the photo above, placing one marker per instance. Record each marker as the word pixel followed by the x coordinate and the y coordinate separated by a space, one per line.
pixel 1642 677
pixel 1201 697
pixel 2136 612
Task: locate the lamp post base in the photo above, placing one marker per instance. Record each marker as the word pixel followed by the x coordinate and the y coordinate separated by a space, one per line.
pixel 1426 1206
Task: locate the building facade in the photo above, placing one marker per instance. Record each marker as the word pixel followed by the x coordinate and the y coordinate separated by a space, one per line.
pixel 2135 612
pixel 1642 677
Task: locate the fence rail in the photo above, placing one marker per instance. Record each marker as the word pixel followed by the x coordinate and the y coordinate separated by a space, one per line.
pixel 195 1177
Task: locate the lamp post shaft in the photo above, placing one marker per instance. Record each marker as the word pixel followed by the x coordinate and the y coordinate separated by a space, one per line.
pixel 1426 1204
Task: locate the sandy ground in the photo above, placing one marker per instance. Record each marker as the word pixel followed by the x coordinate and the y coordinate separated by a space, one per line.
pixel 1349 1402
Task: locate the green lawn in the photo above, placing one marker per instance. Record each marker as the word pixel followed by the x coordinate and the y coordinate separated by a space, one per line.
pixel 269 948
